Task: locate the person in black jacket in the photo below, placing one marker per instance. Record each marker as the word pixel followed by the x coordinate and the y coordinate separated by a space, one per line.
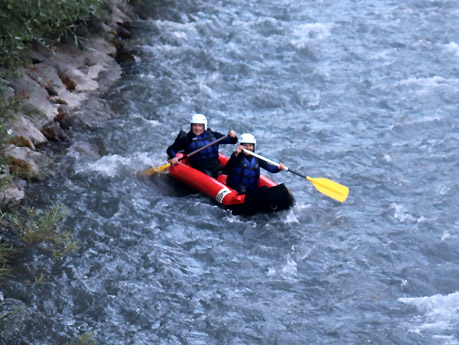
pixel 199 135
pixel 243 169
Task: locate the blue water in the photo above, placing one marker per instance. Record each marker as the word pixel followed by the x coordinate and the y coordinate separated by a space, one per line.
pixel 362 93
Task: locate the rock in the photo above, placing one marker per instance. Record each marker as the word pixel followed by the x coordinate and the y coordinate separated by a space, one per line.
pixel 79 69
pixel 21 141
pixel 23 127
pixel 122 55
pixel 56 91
pixel 53 131
pixel 63 119
pixel 48 133
pixel 32 94
pixel 26 163
pixel 123 32
pixel 11 196
pixel 118 12
pixel 8 92
pixel 94 114
pixel 51 91
pixel 39 53
pixel 47 76
pixel 58 101
pixel 69 83
pixel 81 148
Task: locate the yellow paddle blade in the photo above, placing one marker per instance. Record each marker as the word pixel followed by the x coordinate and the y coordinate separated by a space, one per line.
pixel 330 188
pixel 153 170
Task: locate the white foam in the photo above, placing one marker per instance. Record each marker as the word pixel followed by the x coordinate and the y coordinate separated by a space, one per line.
pixel 401 213
pixel 440 313
pixel 387 158
pixel 111 165
pixel 291 218
pixel 152 123
pixel 434 81
pixel 452 47
pixel 289 270
pixel 303 206
pixel 447 236
pixel 238 220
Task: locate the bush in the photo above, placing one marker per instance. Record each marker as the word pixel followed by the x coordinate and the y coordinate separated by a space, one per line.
pixel 46 21
pixel 8 110
pixel 83 339
pixel 44 228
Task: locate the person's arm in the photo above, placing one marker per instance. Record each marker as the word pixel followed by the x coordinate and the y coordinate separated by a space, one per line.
pixel 232 162
pixel 178 145
pixel 271 168
pixel 232 137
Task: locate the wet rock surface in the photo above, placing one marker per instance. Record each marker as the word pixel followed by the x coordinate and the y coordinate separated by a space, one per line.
pixel 52 93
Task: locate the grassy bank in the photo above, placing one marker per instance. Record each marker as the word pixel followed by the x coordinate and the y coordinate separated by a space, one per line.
pixel 45 21
pixel 24 23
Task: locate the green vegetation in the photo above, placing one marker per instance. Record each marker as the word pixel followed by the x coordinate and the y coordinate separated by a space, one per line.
pixel 36 228
pixel 6 251
pixel 44 228
pixel 8 110
pixel 83 339
pixel 8 114
pixel 7 318
pixel 23 22
pixel 45 21
pixel 37 280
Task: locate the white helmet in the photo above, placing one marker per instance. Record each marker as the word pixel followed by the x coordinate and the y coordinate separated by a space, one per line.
pixel 247 138
pixel 199 119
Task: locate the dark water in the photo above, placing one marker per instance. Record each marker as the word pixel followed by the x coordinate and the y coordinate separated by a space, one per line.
pixel 363 93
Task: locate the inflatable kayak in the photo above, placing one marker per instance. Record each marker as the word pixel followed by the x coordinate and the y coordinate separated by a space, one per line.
pixel 269 197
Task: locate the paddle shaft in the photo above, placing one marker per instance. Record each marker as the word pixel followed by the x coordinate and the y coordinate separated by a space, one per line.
pixel 273 163
pixel 328 187
pixel 204 147
pixel 165 166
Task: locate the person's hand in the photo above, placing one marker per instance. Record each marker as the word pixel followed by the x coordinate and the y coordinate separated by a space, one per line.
pixel 239 149
pixel 174 161
pixel 232 134
pixel 282 166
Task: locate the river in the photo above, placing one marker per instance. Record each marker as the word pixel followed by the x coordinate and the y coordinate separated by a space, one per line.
pixel 363 93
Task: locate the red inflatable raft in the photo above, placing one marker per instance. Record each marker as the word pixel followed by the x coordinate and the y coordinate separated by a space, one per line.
pixel 269 197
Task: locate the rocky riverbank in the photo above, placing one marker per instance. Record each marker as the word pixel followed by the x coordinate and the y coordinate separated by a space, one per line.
pixel 51 93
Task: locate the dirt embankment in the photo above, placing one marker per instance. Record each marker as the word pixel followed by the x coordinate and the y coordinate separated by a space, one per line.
pixel 51 92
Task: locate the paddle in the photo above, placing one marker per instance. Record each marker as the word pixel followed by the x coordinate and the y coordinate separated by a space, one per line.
pixel 328 187
pixel 161 168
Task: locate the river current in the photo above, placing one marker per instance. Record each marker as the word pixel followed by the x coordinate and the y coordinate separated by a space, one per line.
pixel 365 93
